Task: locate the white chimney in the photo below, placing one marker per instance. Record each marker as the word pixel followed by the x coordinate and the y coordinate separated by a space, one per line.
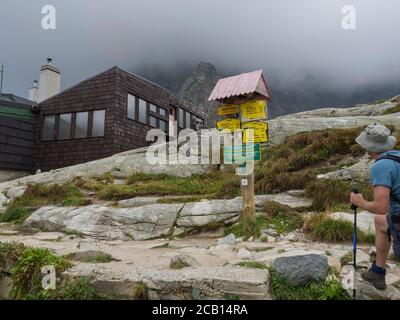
pixel 49 81
pixel 34 92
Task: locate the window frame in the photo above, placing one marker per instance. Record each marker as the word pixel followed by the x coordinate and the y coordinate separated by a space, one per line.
pixel 73 126
pixel 55 129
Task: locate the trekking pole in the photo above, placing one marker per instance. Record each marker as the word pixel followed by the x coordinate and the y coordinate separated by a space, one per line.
pixel 354 208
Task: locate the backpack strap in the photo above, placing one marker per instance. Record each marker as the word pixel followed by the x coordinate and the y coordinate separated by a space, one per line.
pixel 396 159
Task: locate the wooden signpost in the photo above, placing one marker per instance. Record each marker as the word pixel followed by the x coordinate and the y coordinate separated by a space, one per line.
pixel 245 99
pixel 254 131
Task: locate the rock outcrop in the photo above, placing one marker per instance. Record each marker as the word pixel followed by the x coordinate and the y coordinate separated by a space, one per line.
pixel 193 283
pixel 280 128
pixel 359 110
pixel 358 172
pixel 149 221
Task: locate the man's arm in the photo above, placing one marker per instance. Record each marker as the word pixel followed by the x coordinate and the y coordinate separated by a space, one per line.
pixel 380 204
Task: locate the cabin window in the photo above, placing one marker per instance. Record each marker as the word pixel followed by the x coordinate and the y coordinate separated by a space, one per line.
pixel 98 123
pixel 181 118
pixel 163 125
pixel 153 122
pixel 81 125
pixel 187 120
pixel 131 110
pixel 49 123
pixel 153 108
pixel 64 126
pixel 163 112
pixel 142 111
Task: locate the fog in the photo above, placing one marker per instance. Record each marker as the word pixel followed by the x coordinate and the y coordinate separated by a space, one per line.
pixel 291 40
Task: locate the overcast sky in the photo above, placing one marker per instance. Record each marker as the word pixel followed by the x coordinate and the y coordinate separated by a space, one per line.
pixel 286 38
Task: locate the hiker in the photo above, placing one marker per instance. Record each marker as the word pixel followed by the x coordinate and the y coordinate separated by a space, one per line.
pixel 385 180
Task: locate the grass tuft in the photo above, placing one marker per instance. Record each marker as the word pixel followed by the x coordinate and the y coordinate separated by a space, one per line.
pixel 394 109
pixel 15 215
pixel 331 289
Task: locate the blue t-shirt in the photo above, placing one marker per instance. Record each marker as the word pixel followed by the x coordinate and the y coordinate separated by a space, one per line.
pixel 386 172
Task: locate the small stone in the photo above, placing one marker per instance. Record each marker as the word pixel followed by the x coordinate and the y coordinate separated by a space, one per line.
pixel 250 239
pixel 244 254
pixel 271 239
pixel 291 237
pixel 229 240
pixel 372 251
pixel 270 231
pixel 182 261
pixel 239 240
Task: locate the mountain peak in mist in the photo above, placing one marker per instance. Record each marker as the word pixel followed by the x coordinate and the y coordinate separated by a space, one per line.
pixel 198 86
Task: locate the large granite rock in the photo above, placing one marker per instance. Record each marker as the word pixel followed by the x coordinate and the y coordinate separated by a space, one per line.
pixel 184 284
pixel 358 172
pixel 301 266
pixel 280 128
pixel 359 110
pixel 147 222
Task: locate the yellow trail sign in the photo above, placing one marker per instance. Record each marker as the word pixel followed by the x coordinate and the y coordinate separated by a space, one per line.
pixel 260 132
pixel 227 109
pixel 253 110
pixel 229 124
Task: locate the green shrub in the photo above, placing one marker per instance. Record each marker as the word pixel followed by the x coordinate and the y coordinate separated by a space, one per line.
pixel 282 218
pixel 141 291
pixel 247 228
pixel 294 163
pixel 321 227
pixel 15 214
pixel 77 288
pixel 280 289
pixel 10 252
pixel 26 273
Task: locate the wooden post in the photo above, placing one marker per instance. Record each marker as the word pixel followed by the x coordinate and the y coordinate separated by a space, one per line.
pixel 247 186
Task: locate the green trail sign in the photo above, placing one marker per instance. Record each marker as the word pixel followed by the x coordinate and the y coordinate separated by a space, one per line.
pixel 238 154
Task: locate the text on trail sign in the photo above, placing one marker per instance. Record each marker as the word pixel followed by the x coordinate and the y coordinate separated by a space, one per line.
pixel 229 124
pixel 242 153
pixel 259 129
pixel 228 109
pixel 253 110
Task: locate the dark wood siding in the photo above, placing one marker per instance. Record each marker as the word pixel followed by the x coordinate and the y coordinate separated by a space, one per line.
pixel 16 143
pixel 130 134
pixel 97 93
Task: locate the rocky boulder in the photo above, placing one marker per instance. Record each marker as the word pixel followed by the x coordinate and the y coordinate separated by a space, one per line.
pixel 358 172
pixel 141 223
pixel 300 266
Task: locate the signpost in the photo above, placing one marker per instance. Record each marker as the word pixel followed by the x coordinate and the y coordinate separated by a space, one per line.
pixel 242 153
pixel 244 110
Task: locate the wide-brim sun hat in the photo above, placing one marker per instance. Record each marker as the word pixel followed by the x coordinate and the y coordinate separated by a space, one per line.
pixel 376 138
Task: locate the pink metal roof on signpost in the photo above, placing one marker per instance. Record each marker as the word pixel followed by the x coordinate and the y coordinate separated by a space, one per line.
pixel 244 84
